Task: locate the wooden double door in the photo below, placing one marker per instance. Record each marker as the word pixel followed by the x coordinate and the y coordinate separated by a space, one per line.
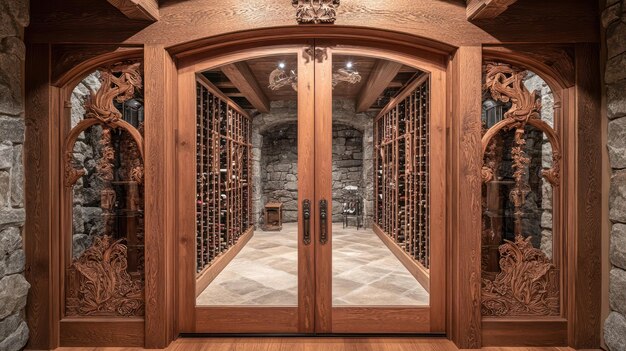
pixel 313 302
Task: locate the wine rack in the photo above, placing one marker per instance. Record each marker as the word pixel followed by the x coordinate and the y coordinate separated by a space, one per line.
pixel 223 199
pixel 402 196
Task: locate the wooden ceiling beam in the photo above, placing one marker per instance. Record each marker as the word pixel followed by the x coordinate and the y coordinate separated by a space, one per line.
pixel 243 79
pixel 485 9
pixel 381 76
pixel 138 9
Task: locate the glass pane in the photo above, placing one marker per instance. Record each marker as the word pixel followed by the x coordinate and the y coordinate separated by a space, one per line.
pixel 248 185
pixel 380 184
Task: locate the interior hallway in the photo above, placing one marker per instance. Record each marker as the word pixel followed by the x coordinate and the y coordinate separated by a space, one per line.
pixel 365 272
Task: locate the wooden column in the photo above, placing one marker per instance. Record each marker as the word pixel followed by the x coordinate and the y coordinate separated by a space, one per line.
pixel 464 319
pixel 41 149
pixel 160 119
pixel 584 269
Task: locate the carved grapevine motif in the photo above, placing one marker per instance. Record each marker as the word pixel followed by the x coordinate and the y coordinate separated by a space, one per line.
pixel 527 283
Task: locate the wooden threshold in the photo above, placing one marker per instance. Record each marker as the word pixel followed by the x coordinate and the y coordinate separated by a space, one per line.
pixel 205 277
pixel 415 268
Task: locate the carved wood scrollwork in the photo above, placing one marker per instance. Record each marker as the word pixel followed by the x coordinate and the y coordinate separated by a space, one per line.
pixel 107 278
pixel 316 11
pixel 527 282
pixel 99 284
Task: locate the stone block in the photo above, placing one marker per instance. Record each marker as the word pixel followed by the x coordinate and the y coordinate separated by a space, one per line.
pixel 617 290
pixel 11 216
pixel 11 58
pixel 6 155
pixel 611 14
pixel 11 128
pixel 616 39
pixel 618 245
pixel 16 340
pixel 616 99
pixel 615 69
pixel 546 219
pixel 617 197
pixel 17 178
pixel 13 291
pixel 9 325
pixel 616 142
pixel 10 240
pixel 5 188
pixel 615 332
pixel 12 263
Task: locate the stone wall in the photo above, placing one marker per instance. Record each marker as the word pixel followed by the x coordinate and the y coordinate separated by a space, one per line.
pixel 279 166
pixel 13 286
pixel 614 22
pixel 268 126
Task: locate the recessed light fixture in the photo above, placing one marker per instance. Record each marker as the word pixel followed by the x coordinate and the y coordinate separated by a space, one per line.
pixel 349 64
pixel 281 65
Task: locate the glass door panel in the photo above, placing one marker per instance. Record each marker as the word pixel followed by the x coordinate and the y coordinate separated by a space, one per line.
pixel 251 266
pixel 374 145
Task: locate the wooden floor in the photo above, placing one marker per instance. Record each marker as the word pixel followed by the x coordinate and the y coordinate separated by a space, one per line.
pixel 315 344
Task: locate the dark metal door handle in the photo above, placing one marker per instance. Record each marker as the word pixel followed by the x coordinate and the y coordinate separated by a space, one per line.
pixel 323 225
pixel 306 215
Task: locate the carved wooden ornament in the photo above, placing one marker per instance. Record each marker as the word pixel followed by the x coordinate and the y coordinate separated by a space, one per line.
pixel 528 282
pixel 99 284
pixel 316 11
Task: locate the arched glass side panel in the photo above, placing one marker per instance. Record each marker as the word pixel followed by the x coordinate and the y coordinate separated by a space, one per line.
pixel 103 160
pixel 521 165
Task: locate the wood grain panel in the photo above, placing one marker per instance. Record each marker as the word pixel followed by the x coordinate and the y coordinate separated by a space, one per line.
pixel 524 332
pixel 237 319
pixel 323 188
pixel 138 9
pixel 211 272
pixel 185 21
pixel 241 76
pixel 186 219
pixel 466 157
pixel 418 271
pixel 381 319
pixel 485 9
pixel 41 150
pixel 160 119
pixel 585 267
pixel 101 331
pixel 306 191
pixel 380 77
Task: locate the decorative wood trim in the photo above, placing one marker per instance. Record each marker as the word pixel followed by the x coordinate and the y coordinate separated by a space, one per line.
pixel 95 332
pixel 486 9
pixel 138 9
pixel 160 195
pixel 585 266
pixel 548 332
pixel 211 272
pixel 381 319
pixel 415 268
pixel 240 75
pixel 383 73
pixel 42 157
pixel 464 88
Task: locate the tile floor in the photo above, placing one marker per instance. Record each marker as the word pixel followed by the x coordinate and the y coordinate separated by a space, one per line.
pixel 265 272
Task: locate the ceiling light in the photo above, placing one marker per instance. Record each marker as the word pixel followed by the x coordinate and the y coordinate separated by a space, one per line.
pixel 349 64
pixel 281 65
